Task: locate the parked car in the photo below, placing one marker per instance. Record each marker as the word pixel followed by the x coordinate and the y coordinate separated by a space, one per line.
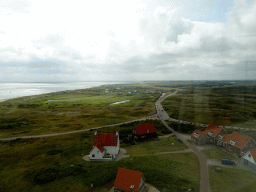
pixel 227 161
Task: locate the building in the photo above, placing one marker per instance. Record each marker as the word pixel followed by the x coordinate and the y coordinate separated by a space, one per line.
pixel 105 146
pixel 209 135
pixel 129 181
pixel 249 158
pixel 236 143
pixel 146 130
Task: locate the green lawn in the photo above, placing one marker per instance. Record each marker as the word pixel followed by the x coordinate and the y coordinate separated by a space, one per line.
pixel 217 154
pixel 231 180
pixel 151 147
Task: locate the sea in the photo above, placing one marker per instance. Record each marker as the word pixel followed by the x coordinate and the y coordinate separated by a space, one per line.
pixel 13 90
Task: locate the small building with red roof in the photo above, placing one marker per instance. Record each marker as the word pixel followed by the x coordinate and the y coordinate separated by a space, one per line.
pixel 129 181
pixel 249 158
pixel 104 146
pixel 209 135
pixel 146 130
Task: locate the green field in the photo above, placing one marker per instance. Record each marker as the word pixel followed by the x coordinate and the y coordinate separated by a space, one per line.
pixel 217 154
pixel 222 106
pixel 231 180
pixel 74 110
pixel 56 164
pixel 151 147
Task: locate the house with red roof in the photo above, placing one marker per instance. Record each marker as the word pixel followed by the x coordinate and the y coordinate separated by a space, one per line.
pixel 129 181
pixel 236 143
pixel 146 130
pixel 105 146
pixel 209 135
pixel 249 158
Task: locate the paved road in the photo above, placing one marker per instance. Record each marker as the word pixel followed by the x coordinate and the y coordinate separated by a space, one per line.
pixel 204 181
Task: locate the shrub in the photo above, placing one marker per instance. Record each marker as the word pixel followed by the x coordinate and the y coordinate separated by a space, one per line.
pixel 46 175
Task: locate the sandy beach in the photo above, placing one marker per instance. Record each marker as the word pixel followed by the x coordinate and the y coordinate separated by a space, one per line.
pixel 2 100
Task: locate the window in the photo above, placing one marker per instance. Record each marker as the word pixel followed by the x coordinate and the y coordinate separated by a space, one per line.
pixel 232 142
pixel 196 135
pixel 210 133
pixel 97 151
pixel 223 144
pixel 220 136
pixel 229 148
pixel 93 155
pixel 249 155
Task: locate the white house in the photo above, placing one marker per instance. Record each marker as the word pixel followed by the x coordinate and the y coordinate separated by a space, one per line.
pixel 105 144
pixel 249 158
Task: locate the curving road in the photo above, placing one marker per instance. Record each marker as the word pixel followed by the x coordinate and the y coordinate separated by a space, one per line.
pixel 204 181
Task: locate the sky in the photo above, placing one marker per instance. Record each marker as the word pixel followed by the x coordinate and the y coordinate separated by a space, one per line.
pixel 135 40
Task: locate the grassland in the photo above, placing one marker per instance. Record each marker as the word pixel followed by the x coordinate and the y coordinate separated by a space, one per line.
pixel 151 147
pixel 230 179
pixel 74 110
pixel 223 105
pixel 55 164
pixel 217 154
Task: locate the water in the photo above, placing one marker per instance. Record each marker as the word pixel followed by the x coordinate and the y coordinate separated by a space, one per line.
pixel 14 90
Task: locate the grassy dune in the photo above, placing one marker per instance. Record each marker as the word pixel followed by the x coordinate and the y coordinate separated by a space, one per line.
pixel 223 106
pixel 74 110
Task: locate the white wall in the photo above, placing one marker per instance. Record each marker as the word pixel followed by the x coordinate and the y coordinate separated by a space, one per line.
pixel 111 149
pixel 141 182
pixel 246 156
pixel 97 153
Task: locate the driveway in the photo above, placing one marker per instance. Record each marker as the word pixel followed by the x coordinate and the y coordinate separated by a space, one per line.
pixel 239 164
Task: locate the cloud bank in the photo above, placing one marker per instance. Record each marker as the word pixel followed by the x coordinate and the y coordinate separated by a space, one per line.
pixel 113 40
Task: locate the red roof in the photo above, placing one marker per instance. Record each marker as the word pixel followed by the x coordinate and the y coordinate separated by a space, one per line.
pixel 142 128
pixel 240 140
pixel 253 152
pixel 200 133
pixel 106 139
pixel 214 129
pixel 125 178
pixel 99 146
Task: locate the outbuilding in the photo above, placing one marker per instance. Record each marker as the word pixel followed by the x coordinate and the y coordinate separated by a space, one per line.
pixel 249 159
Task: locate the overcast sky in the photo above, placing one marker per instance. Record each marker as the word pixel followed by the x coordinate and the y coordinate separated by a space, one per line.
pixel 96 40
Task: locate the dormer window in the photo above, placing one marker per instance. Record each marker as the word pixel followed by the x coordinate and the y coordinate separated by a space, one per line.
pixel 232 143
pixel 210 133
pixel 196 135
pixel 220 136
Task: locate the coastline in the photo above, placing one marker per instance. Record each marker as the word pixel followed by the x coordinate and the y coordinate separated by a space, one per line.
pixel 2 100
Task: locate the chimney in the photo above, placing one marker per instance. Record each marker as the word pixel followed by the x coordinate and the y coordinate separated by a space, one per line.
pixel 95 132
pixel 132 188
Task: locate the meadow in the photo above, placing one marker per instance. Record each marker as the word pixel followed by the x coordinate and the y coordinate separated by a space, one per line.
pixel 231 105
pixel 56 164
pixel 75 110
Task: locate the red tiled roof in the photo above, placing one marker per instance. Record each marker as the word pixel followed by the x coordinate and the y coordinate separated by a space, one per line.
pixel 100 147
pixel 106 139
pixel 125 178
pixel 214 129
pixel 240 140
pixel 142 128
pixel 253 152
pixel 200 133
